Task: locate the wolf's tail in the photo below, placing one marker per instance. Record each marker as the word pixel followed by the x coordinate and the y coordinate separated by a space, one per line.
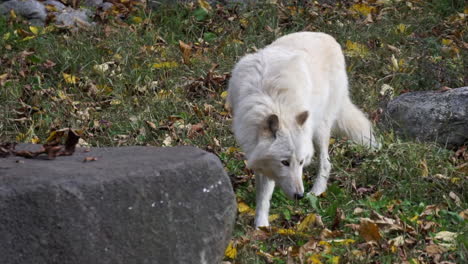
pixel 352 122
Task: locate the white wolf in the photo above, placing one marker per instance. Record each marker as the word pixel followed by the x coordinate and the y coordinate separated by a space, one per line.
pixel 284 97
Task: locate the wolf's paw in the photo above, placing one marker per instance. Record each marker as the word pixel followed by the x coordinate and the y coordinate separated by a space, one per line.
pixel 261 222
pixel 319 187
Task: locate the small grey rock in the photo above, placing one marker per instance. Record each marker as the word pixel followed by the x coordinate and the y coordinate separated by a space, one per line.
pixel 32 10
pixel 70 17
pixel 106 6
pixel 58 5
pixel 430 116
pixel 92 3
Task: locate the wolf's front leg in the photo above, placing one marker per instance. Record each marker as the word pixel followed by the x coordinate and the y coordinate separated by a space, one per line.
pixel 264 187
pixel 322 139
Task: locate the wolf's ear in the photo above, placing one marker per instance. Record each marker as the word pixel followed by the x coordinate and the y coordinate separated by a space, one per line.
pixel 302 117
pixel 272 124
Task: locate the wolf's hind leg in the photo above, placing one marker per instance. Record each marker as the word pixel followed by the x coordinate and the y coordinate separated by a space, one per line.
pixel 264 190
pixel 321 140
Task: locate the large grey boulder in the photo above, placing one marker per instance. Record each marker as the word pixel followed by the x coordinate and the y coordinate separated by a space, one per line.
pixel 32 10
pixel 132 205
pixel 432 116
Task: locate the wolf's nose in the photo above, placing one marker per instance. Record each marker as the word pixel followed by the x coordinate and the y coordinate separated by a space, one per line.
pixel 298 196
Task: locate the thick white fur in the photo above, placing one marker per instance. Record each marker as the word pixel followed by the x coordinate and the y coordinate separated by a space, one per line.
pixel 298 72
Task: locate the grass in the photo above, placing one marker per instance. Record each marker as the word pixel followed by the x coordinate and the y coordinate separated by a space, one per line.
pixel 148 96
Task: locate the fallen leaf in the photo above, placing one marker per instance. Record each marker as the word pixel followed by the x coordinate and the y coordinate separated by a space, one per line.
pixel 87 159
pixel 167 141
pixel 231 251
pixel 455 198
pixel 205 5
pixel 165 65
pixel 151 124
pixel 224 94
pixel 70 78
pixel 446 238
pixel 34 30
pixel 369 230
pixel 243 208
pixel 339 217
pixel 355 49
pixel 434 249
pixel 362 9
pixel 424 169
pixel 307 223
pixel 186 50
pixel 464 214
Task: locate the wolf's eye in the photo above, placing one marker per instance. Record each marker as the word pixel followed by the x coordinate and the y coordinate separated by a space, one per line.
pixel 302 161
pixel 285 162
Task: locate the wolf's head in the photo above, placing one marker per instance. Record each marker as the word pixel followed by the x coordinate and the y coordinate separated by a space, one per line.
pixel 283 149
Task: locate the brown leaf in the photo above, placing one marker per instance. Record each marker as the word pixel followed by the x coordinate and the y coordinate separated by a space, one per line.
pixel 72 140
pixel 151 124
pixel 48 64
pixel 339 217
pixel 369 230
pixel 464 214
pixel 195 130
pixel 432 209
pixel 6 149
pixel 444 89
pixel 455 198
pixel 186 50
pixel 87 159
pixel 434 249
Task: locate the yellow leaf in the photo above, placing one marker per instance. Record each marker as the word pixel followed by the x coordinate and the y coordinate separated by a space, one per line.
pixel 35 140
pixel 205 5
pixel 69 78
pixel 62 95
pixel 104 88
pixel 232 150
pixel 455 180
pixel 401 28
pixel 314 259
pixel 224 94
pixel 165 65
pixel 414 218
pixel 12 14
pixel 115 102
pixel 362 9
pixel 244 22
pixel 356 49
pixel 326 245
pixel 28 38
pixel 446 42
pixel 273 217
pixel 20 137
pixel 395 64
pixel 335 260
pixel 424 169
pixel 231 251
pixel 286 231
pixel 52 136
pixel 308 221
pixel 51 8
pixel 137 19
pixel 6 36
pixel 34 30
pixel 243 208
